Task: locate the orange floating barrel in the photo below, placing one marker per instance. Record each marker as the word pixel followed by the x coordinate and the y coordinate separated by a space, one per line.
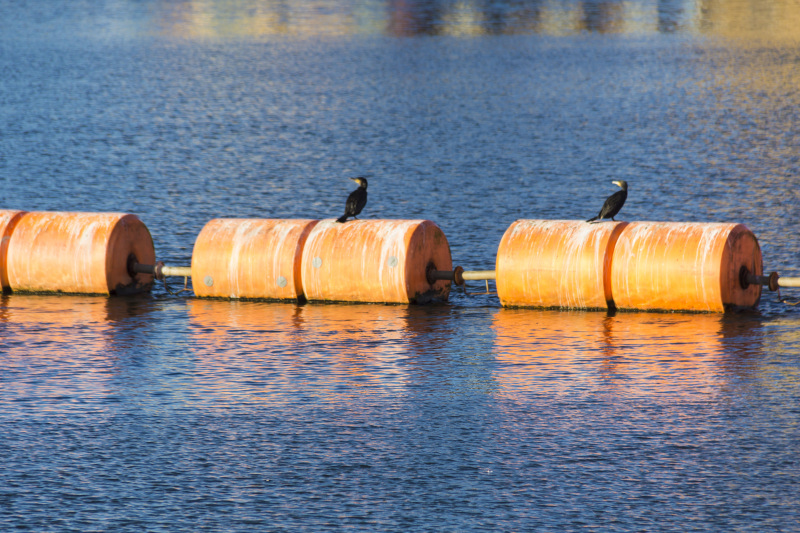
pixel 684 266
pixel 78 253
pixel 8 221
pixel 375 261
pixel 556 263
pixel 250 258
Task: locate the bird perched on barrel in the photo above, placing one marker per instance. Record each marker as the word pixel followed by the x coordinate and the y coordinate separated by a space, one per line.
pixel 613 203
pixel 356 201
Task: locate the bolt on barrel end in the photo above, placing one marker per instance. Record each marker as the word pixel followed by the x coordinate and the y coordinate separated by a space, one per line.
pixel 459 275
pixel 746 278
pixel 159 270
pixel 433 275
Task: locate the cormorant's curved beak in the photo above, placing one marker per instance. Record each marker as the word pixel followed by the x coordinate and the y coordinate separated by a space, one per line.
pixel 617 183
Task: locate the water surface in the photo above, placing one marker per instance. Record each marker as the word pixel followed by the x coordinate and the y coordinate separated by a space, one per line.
pixel 170 413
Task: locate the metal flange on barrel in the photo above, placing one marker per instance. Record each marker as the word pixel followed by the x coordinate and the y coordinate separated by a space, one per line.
pixel 375 261
pixel 250 258
pixel 82 253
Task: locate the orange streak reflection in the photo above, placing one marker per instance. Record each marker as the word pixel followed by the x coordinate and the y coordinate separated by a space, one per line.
pixel 639 354
pixel 315 351
pixel 203 19
pixel 68 348
pixel 59 316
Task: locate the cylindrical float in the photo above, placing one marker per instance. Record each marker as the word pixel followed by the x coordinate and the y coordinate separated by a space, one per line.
pixel 8 221
pixel 375 261
pixel 684 266
pixel 556 263
pixel 250 258
pixel 81 253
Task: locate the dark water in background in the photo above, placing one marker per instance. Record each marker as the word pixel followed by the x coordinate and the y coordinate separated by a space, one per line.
pixel 175 414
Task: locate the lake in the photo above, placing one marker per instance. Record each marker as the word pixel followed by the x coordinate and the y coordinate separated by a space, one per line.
pixel 172 413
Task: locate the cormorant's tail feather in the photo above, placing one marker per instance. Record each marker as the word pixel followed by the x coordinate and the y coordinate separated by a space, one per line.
pixel 342 219
pixel 593 219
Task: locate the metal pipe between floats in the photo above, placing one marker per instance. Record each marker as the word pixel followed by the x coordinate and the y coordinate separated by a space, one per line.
pixel 773 282
pixel 458 275
pixel 473 275
pixel 165 271
pixel 160 270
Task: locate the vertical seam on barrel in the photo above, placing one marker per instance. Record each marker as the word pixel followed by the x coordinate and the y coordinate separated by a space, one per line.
pixel 608 264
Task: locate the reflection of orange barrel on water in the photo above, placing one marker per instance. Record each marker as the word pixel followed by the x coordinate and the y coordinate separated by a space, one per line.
pixel 281 339
pixel 250 258
pixel 69 320
pixel 556 263
pixel 576 352
pixel 8 221
pixel 227 328
pixel 375 261
pixel 68 311
pixel 684 266
pixel 264 329
pixel 86 253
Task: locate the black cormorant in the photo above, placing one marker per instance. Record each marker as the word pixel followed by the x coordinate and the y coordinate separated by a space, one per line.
pixel 356 201
pixel 613 203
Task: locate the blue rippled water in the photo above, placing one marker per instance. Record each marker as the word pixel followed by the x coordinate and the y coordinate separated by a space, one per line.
pixel 170 413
